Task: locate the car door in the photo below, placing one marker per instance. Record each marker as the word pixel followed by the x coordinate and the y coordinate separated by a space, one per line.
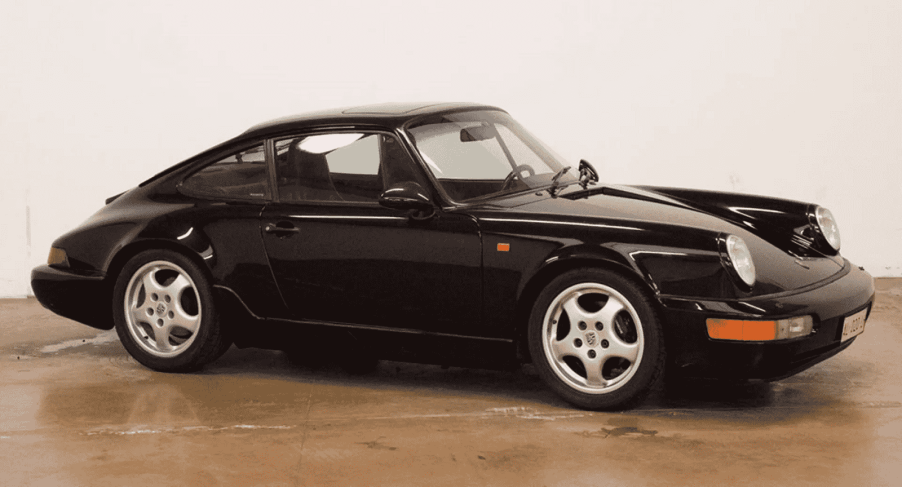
pixel 338 256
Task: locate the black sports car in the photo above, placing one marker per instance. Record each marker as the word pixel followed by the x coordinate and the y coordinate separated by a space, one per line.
pixel 447 234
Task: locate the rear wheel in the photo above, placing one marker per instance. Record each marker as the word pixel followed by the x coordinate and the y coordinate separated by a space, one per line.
pixel 595 339
pixel 165 314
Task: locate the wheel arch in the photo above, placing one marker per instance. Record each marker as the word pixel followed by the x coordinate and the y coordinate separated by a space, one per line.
pixel 129 251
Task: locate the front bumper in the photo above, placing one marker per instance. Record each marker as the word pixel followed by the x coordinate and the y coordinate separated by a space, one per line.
pixel 692 353
pixel 83 298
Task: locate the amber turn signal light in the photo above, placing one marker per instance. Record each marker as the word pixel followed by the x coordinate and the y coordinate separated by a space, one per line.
pixel 58 257
pixel 757 331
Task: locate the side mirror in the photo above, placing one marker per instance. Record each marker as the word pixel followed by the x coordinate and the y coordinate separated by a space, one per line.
pixel 406 196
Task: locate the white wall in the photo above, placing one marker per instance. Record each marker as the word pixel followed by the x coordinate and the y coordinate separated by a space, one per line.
pixel 794 99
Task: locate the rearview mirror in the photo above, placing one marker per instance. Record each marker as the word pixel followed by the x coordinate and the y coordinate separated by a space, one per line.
pixel 474 134
pixel 405 196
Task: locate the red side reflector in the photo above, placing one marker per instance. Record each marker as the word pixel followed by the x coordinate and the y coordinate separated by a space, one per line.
pixel 503 247
pixel 752 331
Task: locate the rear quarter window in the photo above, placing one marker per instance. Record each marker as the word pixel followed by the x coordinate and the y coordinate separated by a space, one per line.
pixel 242 175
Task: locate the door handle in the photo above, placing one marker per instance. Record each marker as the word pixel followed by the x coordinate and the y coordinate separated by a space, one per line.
pixel 273 228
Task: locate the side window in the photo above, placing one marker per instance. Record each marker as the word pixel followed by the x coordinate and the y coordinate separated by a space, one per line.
pixel 360 157
pixel 351 167
pixel 242 176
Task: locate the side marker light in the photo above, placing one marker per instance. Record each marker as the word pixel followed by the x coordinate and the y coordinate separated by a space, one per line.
pixel 503 247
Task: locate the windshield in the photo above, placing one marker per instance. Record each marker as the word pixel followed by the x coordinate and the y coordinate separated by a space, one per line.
pixel 483 154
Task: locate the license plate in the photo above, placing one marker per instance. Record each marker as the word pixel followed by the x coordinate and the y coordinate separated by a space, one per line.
pixel 853 326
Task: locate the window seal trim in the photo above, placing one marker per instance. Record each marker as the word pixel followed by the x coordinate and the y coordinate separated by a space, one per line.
pixel 270 155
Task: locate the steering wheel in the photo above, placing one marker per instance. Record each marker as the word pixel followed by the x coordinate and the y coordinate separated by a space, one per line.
pixel 516 173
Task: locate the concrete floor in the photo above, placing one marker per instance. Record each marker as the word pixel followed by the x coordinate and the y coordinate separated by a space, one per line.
pixel 75 409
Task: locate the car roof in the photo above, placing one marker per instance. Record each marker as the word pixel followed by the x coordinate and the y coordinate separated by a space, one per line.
pixel 388 115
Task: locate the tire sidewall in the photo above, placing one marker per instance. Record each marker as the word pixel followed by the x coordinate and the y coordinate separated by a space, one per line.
pixel 189 359
pixel 650 366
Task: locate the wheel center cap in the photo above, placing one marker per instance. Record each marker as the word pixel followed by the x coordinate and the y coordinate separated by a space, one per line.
pixel 591 338
pixel 161 308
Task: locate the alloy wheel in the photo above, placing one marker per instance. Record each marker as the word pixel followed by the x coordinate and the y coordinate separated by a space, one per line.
pixel 592 338
pixel 162 308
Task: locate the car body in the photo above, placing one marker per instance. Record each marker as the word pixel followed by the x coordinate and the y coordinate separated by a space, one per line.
pixel 445 233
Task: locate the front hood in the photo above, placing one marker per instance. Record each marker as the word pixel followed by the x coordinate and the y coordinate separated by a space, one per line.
pixel 679 225
pixel 788 224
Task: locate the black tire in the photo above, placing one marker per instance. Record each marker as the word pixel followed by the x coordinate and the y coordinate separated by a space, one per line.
pixel 604 359
pixel 165 314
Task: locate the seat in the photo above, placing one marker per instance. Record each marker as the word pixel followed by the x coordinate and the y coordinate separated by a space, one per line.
pixel 308 177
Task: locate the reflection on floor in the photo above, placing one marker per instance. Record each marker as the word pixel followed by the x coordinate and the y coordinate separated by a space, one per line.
pixel 76 410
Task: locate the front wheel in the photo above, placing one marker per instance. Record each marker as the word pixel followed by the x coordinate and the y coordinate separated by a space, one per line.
pixel 164 312
pixel 595 339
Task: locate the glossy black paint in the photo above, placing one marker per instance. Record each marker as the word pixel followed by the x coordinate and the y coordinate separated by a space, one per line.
pixel 439 286
pixel 827 302
pixel 368 265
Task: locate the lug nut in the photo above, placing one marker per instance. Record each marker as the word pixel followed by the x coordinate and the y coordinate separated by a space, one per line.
pixel 578 343
pixel 154 297
pixel 168 299
pixel 160 322
pixel 599 326
pixel 149 311
pixel 582 325
pixel 592 354
pixel 604 344
pixel 171 315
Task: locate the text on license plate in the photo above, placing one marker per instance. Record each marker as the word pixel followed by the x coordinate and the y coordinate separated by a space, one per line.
pixel 853 325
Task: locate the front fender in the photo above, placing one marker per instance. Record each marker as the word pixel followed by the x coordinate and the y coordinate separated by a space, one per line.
pixel 521 255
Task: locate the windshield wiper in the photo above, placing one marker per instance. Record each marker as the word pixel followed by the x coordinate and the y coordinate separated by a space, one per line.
pixel 555 181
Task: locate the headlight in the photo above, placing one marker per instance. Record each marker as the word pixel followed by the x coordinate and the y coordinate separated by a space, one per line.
pixel 741 259
pixel 827 226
